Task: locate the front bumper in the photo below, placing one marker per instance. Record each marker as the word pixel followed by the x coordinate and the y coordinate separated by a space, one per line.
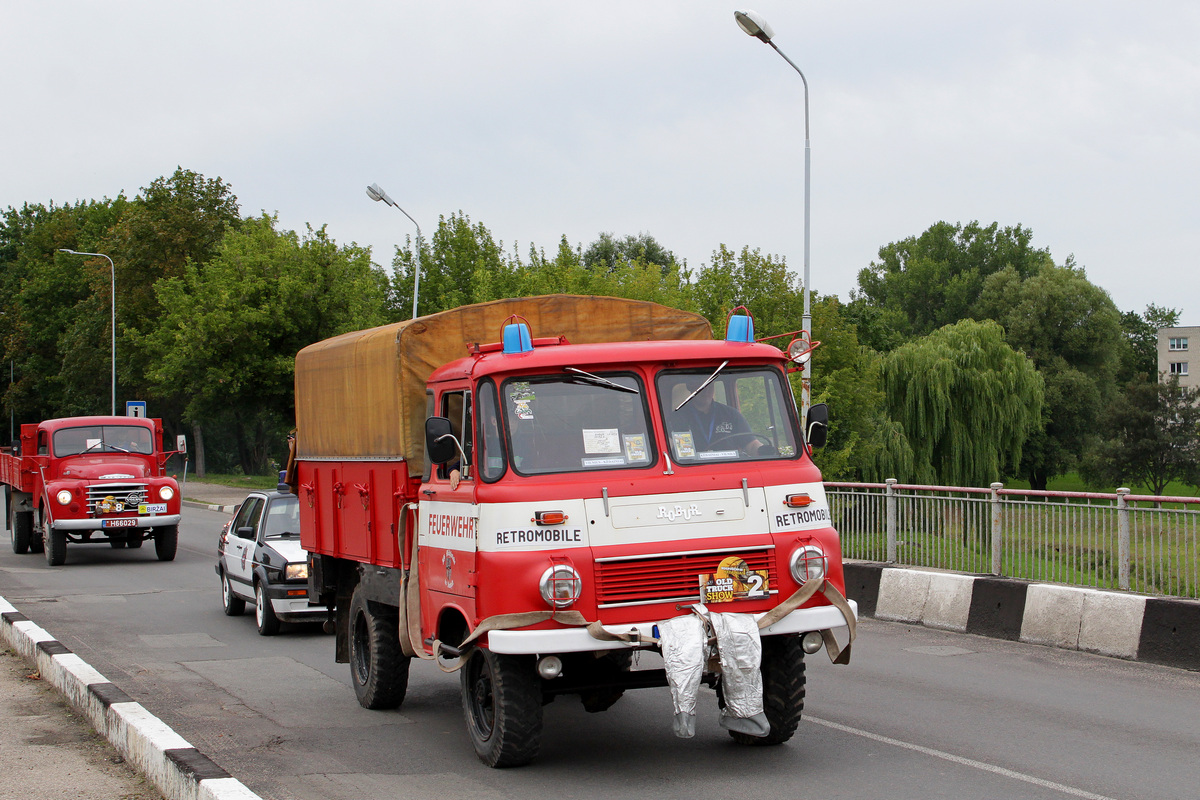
pixel 292 608
pixel 576 640
pixel 156 521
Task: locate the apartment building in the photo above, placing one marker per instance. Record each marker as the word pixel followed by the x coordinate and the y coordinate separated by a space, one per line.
pixel 1179 354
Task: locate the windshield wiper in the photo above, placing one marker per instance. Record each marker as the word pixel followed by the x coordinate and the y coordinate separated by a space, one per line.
pixel 700 388
pixel 600 381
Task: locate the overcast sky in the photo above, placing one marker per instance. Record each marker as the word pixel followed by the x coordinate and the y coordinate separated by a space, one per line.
pixel 1078 120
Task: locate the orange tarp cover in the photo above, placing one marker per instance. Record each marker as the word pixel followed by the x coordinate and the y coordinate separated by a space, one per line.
pixel 361 395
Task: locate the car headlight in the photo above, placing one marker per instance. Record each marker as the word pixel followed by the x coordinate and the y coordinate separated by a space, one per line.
pixel 560 586
pixel 63 497
pixel 808 563
pixel 295 572
pixel 166 492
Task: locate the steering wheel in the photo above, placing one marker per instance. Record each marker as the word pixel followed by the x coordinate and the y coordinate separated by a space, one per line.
pixel 765 449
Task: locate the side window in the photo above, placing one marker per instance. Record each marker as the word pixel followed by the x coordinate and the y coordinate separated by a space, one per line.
pixel 42 449
pixel 248 515
pixel 456 407
pixel 491 447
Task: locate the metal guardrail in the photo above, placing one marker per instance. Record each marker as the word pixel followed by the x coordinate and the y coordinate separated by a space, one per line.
pixel 1142 543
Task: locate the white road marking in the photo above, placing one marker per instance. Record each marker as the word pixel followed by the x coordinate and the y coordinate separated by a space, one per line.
pixel 966 762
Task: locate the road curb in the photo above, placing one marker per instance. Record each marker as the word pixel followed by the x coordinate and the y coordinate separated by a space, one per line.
pixel 226 509
pixel 178 770
pixel 1135 627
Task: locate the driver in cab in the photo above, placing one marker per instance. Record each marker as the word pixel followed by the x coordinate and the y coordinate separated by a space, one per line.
pixel 715 426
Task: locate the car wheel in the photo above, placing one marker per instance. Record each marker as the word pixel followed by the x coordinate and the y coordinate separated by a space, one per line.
pixel 166 541
pixel 378 669
pixel 56 545
pixel 135 539
pixel 502 703
pixel 20 526
pixel 783 690
pixel 234 605
pixel 264 614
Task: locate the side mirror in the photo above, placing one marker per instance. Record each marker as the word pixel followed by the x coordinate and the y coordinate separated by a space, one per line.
pixel 440 445
pixel 181 443
pixel 246 532
pixel 816 427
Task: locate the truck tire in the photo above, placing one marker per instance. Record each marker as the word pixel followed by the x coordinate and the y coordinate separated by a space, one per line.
pixel 166 541
pixel 234 605
pixel 135 539
pixel 117 541
pixel 783 690
pixel 378 669
pixel 56 545
pixel 502 703
pixel 37 543
pixel 21 530
pixel 264 613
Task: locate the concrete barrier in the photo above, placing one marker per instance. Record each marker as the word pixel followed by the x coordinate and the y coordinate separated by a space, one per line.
pixel 1119 624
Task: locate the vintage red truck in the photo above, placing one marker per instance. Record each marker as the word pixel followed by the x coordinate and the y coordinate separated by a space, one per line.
pixel 529 502
pixel 90 480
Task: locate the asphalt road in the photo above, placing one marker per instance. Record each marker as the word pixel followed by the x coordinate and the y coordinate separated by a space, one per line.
pixel 918 713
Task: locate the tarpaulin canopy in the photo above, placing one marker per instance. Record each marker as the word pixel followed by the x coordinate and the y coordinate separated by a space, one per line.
pixel 361 395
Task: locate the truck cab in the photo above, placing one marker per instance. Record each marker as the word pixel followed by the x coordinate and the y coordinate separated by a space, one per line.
pixel 90 480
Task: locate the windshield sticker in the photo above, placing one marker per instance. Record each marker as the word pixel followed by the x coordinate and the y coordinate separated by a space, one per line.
pixel 604 462
pixel 635 447
pixel 522 395
pixel 685 446
pixel 92 444
pixel 601 441
pixel 718 454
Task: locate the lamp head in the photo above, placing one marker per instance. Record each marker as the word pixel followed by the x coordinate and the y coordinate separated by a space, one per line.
pixel 375 193
pixel 753 23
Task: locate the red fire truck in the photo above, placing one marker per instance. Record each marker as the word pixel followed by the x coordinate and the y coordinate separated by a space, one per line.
pixel 528 510
pixel 90 480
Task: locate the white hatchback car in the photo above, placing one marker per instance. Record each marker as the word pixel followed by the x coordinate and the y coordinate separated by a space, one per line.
pixel 259 560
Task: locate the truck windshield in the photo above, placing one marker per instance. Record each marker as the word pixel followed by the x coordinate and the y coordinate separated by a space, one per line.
pixel 576 424
pixel 103 439
pixel 741 415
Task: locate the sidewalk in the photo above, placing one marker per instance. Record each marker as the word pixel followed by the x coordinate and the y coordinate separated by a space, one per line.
pixel 56 713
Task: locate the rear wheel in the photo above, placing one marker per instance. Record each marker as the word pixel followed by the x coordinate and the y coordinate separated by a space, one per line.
pixel 502 703
pixel 166 541
pixel 117 541
pixel 20 527
pixel 378 669
pixel 234 605
pixel 264 614
pixel 135 540
pixel 783 690
pixel 55 543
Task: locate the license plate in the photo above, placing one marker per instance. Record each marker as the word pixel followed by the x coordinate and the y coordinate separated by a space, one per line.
pixel 128 522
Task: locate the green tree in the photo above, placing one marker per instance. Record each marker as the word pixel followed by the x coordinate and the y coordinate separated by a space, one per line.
pixel 1152 438
pixel 607 253
pixel 1071 330
pixel 231 327
pixel 763 284
pixel 966 402
pixel 924 282
pixel 1141 334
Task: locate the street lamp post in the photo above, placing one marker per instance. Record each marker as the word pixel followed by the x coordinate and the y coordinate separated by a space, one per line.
pixel 753 24
pixel 375 193
pixel 113 270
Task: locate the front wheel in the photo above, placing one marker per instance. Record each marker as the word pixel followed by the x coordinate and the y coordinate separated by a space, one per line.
pixel 166 542
pixel 56 545
pixel 264 614
pixel 502 702
pixel 378 669
pixel 783 690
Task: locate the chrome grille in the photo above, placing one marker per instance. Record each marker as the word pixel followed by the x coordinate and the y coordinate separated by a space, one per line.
pixel 128 494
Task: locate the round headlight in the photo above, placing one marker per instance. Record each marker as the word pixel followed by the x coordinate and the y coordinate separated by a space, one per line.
pixel 560 586
pixel 166 492
pixel 63 497
pixel 808 563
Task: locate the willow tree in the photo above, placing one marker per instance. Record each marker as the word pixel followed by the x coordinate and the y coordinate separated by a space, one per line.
pixel 967 403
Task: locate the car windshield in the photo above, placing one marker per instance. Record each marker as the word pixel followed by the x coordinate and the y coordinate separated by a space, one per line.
pixel 283 518
pixel 741 415
pixel 103 439
pixel 576 423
